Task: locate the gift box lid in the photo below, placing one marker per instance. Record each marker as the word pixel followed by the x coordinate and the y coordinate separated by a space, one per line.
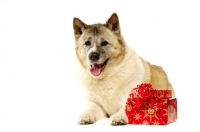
pixel 146 91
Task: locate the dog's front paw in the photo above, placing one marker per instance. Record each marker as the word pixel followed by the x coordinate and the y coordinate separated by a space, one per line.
pixel 87 118
pixel 119 119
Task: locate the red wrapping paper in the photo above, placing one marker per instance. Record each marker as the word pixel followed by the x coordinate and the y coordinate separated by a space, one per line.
pixel 148 106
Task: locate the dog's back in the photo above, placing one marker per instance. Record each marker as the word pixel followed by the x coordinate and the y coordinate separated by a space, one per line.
pixel 156 76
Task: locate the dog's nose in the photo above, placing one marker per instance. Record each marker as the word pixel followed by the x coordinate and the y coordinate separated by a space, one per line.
pixel 94 56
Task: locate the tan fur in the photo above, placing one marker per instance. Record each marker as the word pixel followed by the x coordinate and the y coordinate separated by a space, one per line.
pixel 107 93
pixel 156 76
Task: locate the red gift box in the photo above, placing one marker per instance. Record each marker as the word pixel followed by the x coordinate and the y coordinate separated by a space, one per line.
pixel 149 106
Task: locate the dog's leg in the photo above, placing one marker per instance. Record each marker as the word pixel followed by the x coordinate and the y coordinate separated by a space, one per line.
pixel 119 118
pixel 92 114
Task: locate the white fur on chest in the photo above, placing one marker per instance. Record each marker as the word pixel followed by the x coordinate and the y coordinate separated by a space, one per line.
pixel 111 97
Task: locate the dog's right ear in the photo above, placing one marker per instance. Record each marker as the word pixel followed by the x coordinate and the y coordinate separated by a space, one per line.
pixel 113 24
pixel 79 27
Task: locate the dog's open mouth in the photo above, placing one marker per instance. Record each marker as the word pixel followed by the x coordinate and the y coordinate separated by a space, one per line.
pixel 96 69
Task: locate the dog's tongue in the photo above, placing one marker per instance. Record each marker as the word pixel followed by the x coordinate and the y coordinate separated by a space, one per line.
pixel 95 69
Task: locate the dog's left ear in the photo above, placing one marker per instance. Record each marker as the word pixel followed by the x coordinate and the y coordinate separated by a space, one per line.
pixel 79 27
pixel 113 24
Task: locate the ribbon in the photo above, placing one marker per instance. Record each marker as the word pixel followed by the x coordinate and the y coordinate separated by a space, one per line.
pixel 145 91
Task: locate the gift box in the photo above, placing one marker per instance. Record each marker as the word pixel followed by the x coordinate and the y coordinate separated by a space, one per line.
pixel 149 106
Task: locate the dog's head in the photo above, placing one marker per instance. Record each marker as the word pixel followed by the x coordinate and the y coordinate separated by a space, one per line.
pixel 100 48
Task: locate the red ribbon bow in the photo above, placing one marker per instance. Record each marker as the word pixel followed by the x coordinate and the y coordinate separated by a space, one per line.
pixel 146 92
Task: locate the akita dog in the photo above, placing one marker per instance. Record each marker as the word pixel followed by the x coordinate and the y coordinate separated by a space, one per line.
pixel 110 69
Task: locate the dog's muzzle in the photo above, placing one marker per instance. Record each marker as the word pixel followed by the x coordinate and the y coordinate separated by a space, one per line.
pixel 94 56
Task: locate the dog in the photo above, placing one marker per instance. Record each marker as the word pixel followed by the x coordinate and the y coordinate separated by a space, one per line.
pixel 109 70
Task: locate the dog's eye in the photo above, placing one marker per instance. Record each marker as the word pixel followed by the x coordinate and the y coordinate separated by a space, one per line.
pixel 87 43
pixel 104 43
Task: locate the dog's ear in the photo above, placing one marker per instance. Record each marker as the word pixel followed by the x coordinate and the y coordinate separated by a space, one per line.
pixel 113 24
pixel 79 27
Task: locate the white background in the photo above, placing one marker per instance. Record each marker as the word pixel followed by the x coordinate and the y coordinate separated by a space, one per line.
pixel 38 87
